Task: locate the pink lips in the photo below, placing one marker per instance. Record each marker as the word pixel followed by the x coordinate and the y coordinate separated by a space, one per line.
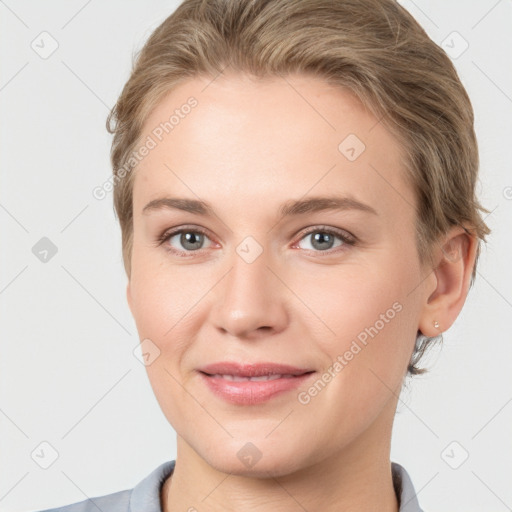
pixel 230 381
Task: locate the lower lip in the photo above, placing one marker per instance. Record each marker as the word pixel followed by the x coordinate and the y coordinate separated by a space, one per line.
pixel 252 392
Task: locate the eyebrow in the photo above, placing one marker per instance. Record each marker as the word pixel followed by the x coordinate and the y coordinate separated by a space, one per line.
pixel 290 208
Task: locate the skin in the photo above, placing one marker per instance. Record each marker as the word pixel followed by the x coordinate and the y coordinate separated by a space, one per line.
pixel 248 147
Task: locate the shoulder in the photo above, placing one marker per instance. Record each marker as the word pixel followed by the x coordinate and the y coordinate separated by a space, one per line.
pixel 143 497
pixel 404 488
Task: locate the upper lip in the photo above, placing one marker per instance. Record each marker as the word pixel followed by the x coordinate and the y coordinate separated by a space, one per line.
pixel 252 369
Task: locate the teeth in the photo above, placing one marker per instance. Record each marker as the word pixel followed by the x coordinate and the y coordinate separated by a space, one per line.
pixel 236 378
pixel 266 377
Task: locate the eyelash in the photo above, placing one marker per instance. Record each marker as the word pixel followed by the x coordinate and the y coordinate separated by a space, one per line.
pixel 349 240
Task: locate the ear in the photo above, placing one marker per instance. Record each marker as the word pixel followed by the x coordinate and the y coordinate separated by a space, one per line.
pixel 455 259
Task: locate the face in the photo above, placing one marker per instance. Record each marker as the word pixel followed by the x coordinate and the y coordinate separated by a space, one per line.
pixel 263 272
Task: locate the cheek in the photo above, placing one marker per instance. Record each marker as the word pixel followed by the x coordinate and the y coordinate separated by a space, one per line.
pixel 162 295
pixel 368 356
pixel 343 301
pixel 364 318
pixel 163 305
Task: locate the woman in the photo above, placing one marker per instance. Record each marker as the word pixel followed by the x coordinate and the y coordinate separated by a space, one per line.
pixel 249 134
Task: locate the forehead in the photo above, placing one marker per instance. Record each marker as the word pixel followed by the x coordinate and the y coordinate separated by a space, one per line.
pixel 279 136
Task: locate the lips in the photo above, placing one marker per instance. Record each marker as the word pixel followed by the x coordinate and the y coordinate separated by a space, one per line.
pixel 251 384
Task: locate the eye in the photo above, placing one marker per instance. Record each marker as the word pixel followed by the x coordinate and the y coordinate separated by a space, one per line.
pixel 323 239
pixel 185 241
pixel 191 240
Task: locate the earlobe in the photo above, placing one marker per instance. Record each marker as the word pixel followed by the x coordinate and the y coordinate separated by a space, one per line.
pixel 455 261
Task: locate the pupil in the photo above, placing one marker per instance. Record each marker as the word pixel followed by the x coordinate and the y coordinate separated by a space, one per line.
pixel 191 238
pixel 322 238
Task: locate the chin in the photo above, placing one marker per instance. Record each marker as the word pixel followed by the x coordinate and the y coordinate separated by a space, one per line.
pixel 263 469
pixel 254 459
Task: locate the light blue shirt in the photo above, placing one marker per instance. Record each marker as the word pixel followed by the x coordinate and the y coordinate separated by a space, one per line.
pixel 145 496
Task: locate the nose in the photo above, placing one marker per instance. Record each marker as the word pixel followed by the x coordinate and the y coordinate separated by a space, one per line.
pixel 250 301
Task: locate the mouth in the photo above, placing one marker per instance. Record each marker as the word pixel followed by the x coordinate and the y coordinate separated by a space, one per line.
pixel 251 384
pixel 263 369
pixel 261 378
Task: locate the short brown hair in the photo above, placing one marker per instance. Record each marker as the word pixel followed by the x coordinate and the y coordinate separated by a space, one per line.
pixel 373 48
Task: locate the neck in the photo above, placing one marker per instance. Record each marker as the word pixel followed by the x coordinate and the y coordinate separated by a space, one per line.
pixel 358 477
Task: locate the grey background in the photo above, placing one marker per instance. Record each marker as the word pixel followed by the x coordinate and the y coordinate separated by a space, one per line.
pixel 68 373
